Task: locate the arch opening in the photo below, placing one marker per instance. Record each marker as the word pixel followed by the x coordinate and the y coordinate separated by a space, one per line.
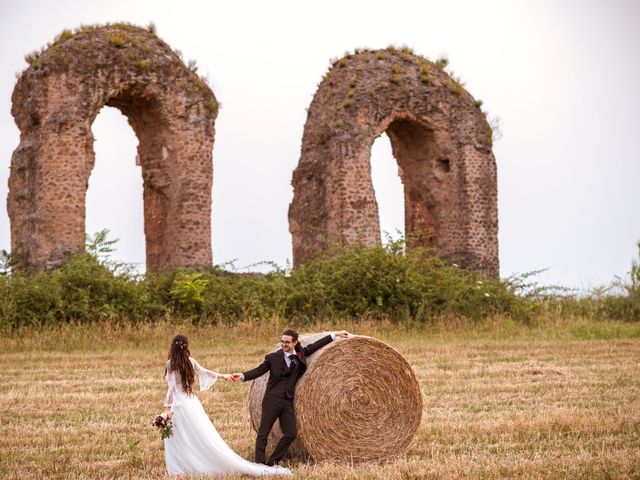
pixel 114 192
pixel 421 166
pixel 388 188
pixel 154 155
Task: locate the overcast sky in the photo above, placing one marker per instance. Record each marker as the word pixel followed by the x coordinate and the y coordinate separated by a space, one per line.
pixel 562 77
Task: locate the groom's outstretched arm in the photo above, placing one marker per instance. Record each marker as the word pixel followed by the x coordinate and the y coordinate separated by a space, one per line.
pixel 318 344
pixel 258 371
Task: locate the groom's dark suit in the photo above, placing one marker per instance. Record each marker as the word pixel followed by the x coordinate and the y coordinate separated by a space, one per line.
pixel 278 397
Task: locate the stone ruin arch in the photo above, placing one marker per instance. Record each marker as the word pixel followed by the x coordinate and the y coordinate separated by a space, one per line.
pixel 440 139
pixel 172 112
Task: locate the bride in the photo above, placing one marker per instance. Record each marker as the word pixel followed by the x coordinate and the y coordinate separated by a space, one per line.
pixel 195 446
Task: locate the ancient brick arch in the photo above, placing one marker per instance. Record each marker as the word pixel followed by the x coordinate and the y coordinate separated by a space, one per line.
pixel 171 110
pixel 440 139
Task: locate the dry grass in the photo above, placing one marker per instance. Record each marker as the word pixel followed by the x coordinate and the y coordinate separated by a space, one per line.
pixel 559 400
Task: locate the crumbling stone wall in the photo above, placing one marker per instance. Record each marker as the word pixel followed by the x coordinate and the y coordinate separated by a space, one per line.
pixel 440 139
pixel 172 112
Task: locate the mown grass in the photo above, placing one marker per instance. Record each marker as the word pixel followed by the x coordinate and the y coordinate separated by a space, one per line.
pixel 555 399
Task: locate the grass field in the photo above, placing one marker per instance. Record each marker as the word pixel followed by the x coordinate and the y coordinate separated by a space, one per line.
pixel 501 400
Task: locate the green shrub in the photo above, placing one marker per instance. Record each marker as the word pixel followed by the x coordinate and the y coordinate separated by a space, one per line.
pixel 82 290
pixel 393 282
pixel 142 64
pixel 388 282
pixel 187 290
pixel 28 301
pixel 90 291
pixel 441 63
pixel 66 34
pixel 116 39
pixel 233 297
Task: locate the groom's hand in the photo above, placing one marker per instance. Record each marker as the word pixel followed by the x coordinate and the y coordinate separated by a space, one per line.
pixel 236 377
pixel 342 333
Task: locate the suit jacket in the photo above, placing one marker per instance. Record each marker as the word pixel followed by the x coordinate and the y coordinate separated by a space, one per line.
pixel 275 364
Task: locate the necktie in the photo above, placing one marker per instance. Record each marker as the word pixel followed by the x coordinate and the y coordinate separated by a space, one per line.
pixel 292 361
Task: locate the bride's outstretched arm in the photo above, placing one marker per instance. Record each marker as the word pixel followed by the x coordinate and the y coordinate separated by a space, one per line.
pixel 207 377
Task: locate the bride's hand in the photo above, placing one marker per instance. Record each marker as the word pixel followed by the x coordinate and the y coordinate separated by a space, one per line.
pixel 226 376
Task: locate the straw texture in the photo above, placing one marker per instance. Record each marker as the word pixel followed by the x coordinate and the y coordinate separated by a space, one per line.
pixel 358 401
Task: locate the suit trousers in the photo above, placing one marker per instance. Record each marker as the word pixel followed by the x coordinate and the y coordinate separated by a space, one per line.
pixel 276 407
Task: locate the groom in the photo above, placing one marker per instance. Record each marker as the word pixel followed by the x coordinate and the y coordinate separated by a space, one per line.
pixel 285 367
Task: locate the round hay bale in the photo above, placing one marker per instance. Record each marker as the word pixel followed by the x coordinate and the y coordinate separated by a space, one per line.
pixel 359 400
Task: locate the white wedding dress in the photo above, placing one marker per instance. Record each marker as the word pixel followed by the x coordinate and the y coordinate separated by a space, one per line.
pixel 195 446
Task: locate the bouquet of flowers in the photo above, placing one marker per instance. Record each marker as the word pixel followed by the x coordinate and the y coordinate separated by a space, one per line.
pixel 163 423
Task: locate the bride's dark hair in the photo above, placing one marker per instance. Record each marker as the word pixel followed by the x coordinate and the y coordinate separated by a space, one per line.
pixel 179 360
